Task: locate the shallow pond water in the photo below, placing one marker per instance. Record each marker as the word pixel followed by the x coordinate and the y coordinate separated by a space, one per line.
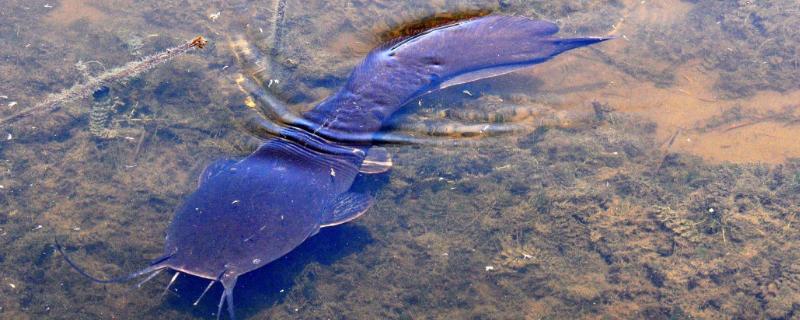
pixel 679 200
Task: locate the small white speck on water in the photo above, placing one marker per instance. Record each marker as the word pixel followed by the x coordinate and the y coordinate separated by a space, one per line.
pixel 282 290
pixel 710 210
pixel 9 137
pixel 281 217
pixel 13 286
pixel 333 172
pixel 489 268
pixel 235 202
pixel 467 92
pixel 256 261
pixel 37 227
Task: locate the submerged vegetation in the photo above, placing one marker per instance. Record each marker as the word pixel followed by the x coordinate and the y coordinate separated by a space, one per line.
pixel 589 221
pixel 92 84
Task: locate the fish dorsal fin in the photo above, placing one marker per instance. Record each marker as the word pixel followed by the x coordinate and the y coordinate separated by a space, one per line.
pixel 347 207
pixel 378 160
pixel 214 169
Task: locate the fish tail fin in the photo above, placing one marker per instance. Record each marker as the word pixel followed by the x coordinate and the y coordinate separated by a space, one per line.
pixel 567 44
pixel 394 74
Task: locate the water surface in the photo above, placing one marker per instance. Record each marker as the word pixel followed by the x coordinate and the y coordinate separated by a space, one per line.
pixel 680 203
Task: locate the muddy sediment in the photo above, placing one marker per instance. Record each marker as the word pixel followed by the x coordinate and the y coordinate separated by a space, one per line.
pixel 681 202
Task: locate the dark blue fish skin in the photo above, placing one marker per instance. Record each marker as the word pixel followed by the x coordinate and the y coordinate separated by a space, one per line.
pixel 253 211
pixel 247 213
pixel 396 73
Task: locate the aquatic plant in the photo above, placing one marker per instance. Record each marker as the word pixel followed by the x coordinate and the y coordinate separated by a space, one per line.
pixel 103 104
pixel 515 256
pixel 677 224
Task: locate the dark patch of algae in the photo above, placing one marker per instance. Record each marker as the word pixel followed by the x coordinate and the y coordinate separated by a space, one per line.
pixel 592 222
pixel 750 45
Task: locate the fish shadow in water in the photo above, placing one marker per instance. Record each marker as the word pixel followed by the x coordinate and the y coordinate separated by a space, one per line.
pixel 261 289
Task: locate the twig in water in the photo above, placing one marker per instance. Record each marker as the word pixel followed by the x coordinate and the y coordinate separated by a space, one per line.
pixel 132 69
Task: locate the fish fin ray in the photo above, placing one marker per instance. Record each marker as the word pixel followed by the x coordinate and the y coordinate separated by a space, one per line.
pixel 347 207
pixel 215 168
pixel 378 160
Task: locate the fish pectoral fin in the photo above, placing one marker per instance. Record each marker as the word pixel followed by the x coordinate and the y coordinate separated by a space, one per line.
pixel 478 75
pixel 378 160
pixel 215 168
pixel 347 207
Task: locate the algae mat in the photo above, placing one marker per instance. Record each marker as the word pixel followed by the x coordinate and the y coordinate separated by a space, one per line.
pixel 680 203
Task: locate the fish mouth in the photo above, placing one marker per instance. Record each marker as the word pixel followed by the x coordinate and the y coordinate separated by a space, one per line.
pixel 213 277
pixel 228 281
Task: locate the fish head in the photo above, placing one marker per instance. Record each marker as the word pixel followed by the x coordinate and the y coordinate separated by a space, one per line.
pixel 247 213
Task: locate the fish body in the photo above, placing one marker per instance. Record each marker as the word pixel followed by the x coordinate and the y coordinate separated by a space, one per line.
pixel 246 213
